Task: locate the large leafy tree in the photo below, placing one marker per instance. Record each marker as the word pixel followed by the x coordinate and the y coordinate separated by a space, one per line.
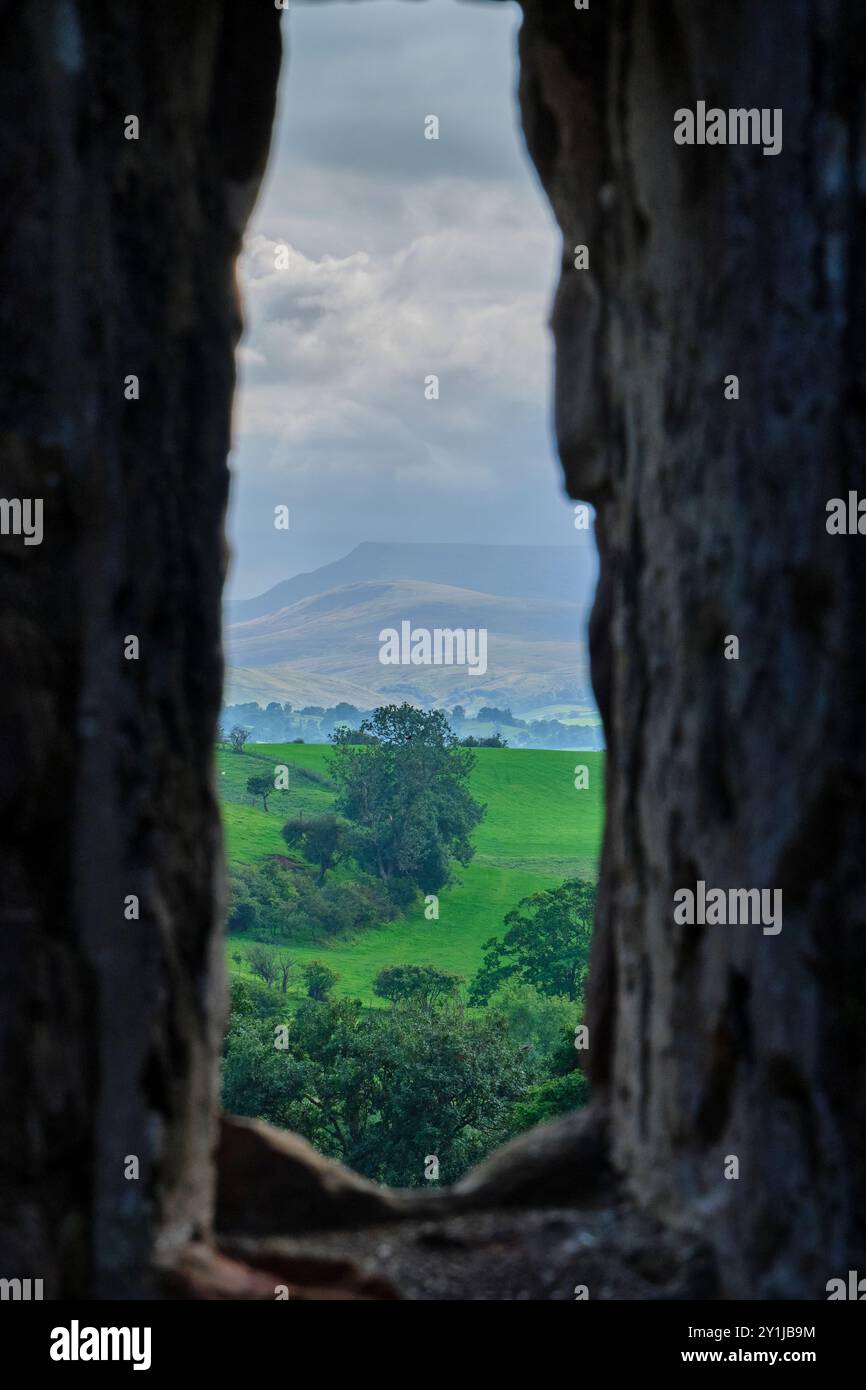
pixel 406 792
pixel 546 943
pixel 382 1090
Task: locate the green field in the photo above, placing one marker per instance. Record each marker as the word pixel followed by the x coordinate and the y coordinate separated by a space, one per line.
pixel 538 830
pixel 566 714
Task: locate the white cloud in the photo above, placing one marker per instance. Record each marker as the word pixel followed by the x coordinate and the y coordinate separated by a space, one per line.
pixel 408 258
pixel 338 344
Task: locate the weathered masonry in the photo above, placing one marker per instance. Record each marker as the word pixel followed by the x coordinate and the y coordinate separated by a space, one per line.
pixel 705 261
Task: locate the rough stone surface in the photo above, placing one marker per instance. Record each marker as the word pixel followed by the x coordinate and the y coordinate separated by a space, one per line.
pixel 716 1041
pixel 270 1180
pixel 265 1272
pixel 119 260
pixel 705 261
pixel 609 1249
pixel 565 1158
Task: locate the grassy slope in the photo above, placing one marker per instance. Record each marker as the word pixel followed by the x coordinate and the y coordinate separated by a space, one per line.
pixel 537 831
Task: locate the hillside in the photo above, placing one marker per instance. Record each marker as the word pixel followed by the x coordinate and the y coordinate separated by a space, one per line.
pixel 533 645
pixel 314 639
pixel 538 830
pixel 555 572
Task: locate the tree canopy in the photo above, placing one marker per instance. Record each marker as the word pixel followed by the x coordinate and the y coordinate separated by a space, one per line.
pixel 406 792
pixel 382 1090
pixel 260 786
pixel 546 943
pixel 416 982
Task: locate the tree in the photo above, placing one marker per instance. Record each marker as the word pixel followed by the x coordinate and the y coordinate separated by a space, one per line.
pixel 490 714
pixel 238 737
pixel 261 962
pixel 284 966
pixel 423 982
pixel 341 713
pixel 406 793
pixel 320 980
pixel 357 736
pixel 542 1023
pixel 260 786
pixel 381 1089
pixel 320 839
pixel 243 915
pixel 555 1096
pixel 546 943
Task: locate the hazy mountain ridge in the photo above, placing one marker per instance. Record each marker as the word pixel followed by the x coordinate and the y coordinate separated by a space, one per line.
pixel 557 572
pixel 323 644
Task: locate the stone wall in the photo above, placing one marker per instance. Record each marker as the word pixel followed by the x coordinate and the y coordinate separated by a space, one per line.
pixel 119 254
pixel 721 1040
pixel 705 1042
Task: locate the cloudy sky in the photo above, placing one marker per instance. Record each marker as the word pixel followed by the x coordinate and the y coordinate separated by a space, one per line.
pixel 407 257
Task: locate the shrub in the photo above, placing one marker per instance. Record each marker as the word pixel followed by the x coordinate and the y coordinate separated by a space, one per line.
pixel 320 980
pixel 556 1096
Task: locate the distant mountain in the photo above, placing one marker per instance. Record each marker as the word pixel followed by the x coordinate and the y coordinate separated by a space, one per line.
pixel 315 640
pixel 561 573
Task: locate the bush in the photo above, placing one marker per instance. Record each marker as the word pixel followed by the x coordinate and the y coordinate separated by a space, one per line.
pixel 320 980
pixel 243 912
pixel 261 900
pixel 556 1096
pixel 250 999
pixel 541 1023
pixel 422 982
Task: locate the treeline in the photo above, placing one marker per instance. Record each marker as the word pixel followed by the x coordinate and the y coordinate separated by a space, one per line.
pixel 434 1076
pixel 278 723
pixel 450 1068
pixel 281 723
